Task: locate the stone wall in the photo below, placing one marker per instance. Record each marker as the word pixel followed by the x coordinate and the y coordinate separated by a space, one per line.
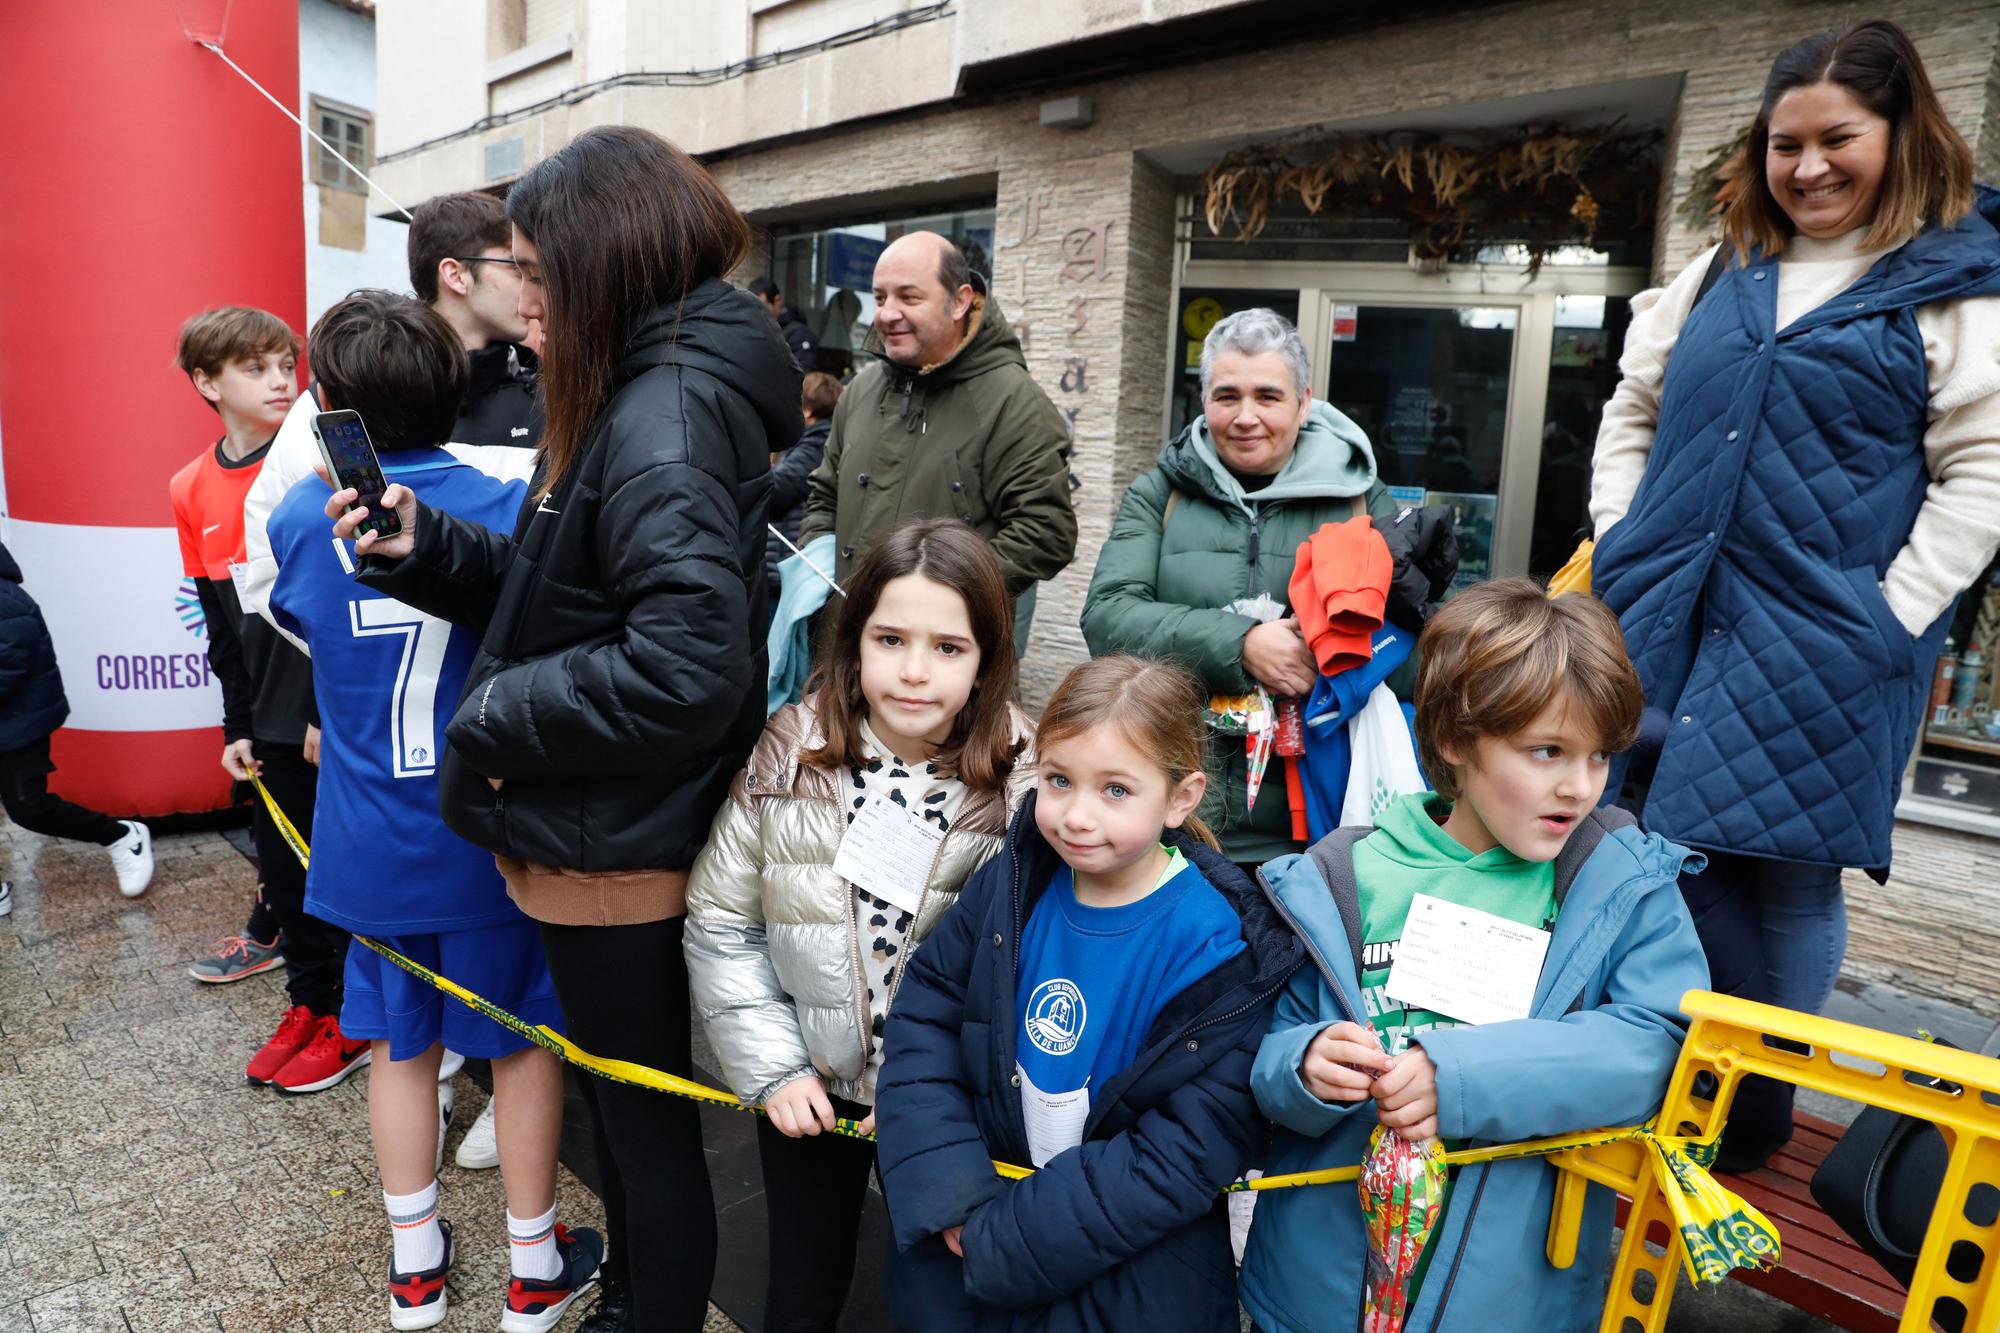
pixel 1935 926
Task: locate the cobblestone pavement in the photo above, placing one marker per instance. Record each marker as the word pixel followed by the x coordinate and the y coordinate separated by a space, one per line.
pixel 144 1187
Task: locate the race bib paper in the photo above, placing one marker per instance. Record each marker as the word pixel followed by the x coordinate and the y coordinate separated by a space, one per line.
pixel 889 852
pixel 1466 964
pixel 239 574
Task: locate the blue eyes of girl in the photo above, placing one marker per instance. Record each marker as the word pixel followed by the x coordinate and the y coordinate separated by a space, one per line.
pixel 1116 791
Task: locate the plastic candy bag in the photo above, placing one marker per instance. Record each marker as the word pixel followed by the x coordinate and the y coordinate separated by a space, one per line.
pixel 1402 1188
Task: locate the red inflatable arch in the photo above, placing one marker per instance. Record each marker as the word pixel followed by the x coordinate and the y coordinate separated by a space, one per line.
pixel 144 181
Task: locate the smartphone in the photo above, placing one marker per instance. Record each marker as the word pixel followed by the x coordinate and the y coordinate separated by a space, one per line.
pixel 350 457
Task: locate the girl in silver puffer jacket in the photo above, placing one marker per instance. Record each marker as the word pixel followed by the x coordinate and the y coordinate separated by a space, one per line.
pixel 909 752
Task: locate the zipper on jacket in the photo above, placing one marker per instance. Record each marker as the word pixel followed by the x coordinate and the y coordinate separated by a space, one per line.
pixel 1464 1243
pixel 1256 541
pixel 859 993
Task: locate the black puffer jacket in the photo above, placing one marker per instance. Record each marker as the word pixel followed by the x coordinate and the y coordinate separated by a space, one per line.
pixel 620 684
pixel 501 404
pixel 31 694
pixel 788 493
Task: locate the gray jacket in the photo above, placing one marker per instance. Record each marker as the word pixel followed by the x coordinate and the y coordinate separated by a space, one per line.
pixel 773 937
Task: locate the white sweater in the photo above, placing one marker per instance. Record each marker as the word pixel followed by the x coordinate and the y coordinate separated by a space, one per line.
pixel 1958 529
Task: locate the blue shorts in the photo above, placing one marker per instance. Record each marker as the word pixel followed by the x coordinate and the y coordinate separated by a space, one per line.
pixel 503 964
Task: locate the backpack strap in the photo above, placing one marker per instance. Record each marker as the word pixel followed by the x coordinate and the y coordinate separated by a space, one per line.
pixel 1334 855
pixel 1173 503
pixel 1713 273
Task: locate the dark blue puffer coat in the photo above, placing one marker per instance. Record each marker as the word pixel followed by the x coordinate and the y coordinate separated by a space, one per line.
pixel 31 694
pixel 1786 473
pixel 1125 1231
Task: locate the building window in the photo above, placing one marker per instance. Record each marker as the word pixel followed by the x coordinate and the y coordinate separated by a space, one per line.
pixel 353 133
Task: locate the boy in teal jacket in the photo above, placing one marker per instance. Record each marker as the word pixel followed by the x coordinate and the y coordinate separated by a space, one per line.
pixel 1521 701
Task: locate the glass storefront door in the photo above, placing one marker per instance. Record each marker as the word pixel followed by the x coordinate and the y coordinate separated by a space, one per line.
pixel 1429 385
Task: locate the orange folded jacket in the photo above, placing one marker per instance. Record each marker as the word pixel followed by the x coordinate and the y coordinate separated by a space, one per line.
pixel 1339 587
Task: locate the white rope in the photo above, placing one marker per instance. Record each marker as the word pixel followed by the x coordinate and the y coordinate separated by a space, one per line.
pixel 294 118
pixel 824 576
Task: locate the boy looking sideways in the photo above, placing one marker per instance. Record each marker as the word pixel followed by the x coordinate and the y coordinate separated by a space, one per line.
pixel 244 364
pixel 1520 702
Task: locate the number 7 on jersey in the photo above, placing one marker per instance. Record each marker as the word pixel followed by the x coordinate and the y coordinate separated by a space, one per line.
pixel 413 709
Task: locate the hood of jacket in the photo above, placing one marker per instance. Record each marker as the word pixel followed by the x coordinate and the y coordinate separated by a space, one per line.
pixel 725 332
pixel 1943 263
pixel 10 572
pixel 989 344
pixel 1332 459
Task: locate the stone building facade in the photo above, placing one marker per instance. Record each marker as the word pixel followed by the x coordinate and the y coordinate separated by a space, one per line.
pixel 936 104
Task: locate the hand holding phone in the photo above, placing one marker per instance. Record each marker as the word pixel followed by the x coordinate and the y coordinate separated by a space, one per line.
pixel 350 457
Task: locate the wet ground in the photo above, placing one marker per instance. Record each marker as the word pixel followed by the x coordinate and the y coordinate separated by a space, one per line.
pixel 144 1188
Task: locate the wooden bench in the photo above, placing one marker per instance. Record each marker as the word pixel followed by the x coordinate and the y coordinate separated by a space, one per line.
pixel 1823 1272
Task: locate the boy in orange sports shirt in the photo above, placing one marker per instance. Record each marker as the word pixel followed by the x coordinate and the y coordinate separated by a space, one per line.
pixel 244 364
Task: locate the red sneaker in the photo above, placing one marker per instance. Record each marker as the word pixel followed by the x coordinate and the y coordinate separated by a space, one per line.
pixel 327 1059
pixel 295 1029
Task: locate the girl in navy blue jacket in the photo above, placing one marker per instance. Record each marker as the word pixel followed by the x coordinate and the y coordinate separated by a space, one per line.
pixel 1091 1007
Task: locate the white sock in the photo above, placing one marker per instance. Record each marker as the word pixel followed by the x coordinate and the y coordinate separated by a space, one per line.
pixel 532 1242
pixel 413 1223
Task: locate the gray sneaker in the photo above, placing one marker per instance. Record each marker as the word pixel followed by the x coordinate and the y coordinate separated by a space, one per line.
pixel 234 957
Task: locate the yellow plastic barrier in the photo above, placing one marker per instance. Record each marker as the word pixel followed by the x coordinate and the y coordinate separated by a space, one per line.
pixel 1962 1246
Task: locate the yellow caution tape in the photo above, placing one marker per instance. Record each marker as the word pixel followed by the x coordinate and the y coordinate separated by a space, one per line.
pixel 1730 1232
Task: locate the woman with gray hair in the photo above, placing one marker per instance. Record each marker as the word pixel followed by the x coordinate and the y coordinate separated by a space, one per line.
pixel 1217 522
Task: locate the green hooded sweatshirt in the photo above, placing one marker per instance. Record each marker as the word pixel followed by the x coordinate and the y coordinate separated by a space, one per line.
pixel 973 437
pixel 1162 581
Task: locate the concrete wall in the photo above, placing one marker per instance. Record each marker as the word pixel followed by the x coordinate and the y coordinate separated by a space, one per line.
pixel 337 62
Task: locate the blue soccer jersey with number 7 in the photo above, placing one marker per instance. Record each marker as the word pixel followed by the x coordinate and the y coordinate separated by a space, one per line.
pixel 387 678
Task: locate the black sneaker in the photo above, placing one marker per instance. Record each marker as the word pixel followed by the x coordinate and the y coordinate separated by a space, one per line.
pixel 417 1300
pixel 613 1311
pixel 536 1307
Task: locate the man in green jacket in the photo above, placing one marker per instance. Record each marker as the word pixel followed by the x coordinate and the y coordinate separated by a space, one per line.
pixel 945 423
pixel 1219 520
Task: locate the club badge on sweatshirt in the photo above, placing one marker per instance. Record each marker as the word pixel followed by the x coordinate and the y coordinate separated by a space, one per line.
pixel 1056 1015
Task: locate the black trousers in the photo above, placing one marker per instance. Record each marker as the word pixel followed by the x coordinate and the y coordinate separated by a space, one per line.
pixel 315 953
pixel 814 1190
pixel 24 791
pixel 624 994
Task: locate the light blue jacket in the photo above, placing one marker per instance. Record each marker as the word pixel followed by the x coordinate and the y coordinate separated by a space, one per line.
pixel 1605 1033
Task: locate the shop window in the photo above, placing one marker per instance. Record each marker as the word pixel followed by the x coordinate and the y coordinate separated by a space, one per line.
pixel 827 271
pixel 1583 371
pixel 1428 385
pixel 1958 748
pixel 352 132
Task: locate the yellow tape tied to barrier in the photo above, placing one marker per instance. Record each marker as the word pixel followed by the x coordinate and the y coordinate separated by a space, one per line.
pixel 1718 1230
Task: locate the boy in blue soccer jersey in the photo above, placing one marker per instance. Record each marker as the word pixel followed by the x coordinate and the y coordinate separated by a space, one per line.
pixel 383 863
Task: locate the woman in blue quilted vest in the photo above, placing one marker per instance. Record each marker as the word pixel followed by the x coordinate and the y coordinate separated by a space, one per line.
pixel 1797 476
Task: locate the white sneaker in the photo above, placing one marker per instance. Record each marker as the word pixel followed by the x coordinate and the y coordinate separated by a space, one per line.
pixel 132 858
pixel 449 1065
pixel 480 1148
pixel 6 897
pixel 446 1102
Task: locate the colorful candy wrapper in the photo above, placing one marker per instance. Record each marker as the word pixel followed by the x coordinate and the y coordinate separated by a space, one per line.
pixel 1257 743
pixel 1402 1188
